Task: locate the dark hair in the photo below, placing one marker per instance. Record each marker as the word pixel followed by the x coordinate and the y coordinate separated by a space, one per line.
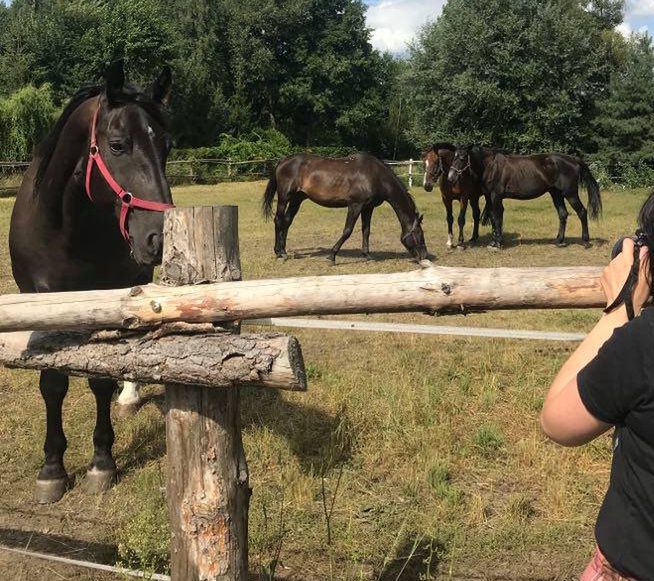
pixel 646 225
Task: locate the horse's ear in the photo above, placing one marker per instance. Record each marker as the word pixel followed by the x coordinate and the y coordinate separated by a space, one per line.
pixel 162 85
pixel 115 80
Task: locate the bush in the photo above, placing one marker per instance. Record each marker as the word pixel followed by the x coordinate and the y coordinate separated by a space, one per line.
pixel 25 118
pixel 267 146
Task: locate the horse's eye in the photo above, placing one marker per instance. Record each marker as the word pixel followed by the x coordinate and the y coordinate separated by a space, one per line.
pixel 116 147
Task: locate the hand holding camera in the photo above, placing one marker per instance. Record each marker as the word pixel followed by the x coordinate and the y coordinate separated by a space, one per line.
pixel 626 279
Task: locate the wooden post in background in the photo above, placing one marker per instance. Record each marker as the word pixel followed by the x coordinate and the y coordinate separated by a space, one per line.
pixel 411 173
pixel 207 485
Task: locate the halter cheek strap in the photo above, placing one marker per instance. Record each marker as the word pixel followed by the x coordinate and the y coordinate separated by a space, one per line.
pixel 127 199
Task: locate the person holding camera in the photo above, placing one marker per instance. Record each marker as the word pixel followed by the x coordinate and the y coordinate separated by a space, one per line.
pixel 609 382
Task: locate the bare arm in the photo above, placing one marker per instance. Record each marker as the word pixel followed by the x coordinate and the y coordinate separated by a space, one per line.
pixel 564 418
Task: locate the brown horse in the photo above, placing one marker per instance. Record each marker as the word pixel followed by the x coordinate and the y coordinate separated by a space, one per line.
pixel 359 183
pixel 438 161
pixel 526 177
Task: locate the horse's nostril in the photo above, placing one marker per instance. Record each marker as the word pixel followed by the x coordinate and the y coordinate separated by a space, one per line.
pixel 154 242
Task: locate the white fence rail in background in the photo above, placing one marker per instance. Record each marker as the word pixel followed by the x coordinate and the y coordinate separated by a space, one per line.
pixel 208 171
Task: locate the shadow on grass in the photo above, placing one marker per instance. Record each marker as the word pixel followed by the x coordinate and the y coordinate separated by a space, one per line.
pixel 320 441
pixel 59 545
pixel 514 239
pixel 415 559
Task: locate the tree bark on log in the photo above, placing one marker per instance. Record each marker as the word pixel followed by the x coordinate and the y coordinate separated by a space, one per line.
pixel 216 360
pixel 435 290
pixel 208 487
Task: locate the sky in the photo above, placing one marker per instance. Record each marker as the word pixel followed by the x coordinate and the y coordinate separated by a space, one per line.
pixel 394 23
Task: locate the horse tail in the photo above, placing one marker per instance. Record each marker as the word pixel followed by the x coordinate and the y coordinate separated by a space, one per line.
pixel 485 214
pixel 269 196
pixel 593 188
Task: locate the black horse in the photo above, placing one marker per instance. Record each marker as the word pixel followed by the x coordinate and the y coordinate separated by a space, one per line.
pixel 359 183
pixel 77 226
pixel 526 177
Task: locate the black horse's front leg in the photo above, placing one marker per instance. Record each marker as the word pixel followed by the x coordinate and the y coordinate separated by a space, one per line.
pixel 52 481
pixel 476 216
pixel 462 221
pixel 353 213
pixel 497 220
pixel 366 219
pixel 101 473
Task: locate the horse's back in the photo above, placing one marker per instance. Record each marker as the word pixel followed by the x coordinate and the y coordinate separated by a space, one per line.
pixel 333 182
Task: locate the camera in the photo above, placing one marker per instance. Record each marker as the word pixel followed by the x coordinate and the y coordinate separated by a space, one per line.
pixel 640 239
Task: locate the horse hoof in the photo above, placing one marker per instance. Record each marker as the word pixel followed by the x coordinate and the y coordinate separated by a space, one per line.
pixel 50 491
pixel 366 257
pixel 561 244
pixel 461 247
pixel 494 248
pixel 331 259
pixel 98 481
pixel 587 245
pixel 127 410
pixel 282 257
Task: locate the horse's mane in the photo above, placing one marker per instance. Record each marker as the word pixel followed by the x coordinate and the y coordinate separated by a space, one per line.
pixel 46 148
pixel 399 183
pixel 443 145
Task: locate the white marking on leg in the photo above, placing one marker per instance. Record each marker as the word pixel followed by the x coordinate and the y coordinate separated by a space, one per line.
pixel 129 394
pixel 449 241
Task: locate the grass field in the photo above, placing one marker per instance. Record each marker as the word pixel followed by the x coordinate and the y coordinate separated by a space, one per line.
pixel 410 457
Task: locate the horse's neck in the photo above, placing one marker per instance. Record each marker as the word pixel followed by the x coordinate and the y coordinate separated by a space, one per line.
pixel 404 208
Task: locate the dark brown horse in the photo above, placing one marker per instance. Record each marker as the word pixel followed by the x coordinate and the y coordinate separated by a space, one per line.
pixel 437 161
pixel 75 227
pixel 359 183
pixel 526 177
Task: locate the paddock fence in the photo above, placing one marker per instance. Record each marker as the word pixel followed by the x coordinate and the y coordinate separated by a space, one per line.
pixel 209 171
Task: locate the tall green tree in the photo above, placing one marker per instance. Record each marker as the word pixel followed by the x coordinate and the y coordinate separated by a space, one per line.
pixel 625 124
pixel 520 74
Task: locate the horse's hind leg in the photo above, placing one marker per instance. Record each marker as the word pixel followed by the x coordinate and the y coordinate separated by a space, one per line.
pixel 366 219
pixel 101 474
pixel 293 208
pixel 462 221
pixel 559 204
pixel 353 213
pixel 578 207
pixel 52 480
pixel 280 220
pixel 129 399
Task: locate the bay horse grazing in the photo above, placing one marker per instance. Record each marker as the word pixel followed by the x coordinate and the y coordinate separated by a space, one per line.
pixel 359 183
pixel 526 177
pixel 76 225
pixel 438 161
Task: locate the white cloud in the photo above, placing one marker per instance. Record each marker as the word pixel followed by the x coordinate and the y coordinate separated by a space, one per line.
pixel 640 8
pixel 394 23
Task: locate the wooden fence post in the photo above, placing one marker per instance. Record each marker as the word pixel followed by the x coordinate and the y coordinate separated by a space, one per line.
pixel 207 485
pixel 411 173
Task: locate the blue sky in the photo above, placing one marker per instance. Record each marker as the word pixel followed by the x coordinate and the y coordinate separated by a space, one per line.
pixel 395 22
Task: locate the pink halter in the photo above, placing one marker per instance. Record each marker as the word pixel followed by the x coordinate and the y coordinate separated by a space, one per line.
pixel 127 199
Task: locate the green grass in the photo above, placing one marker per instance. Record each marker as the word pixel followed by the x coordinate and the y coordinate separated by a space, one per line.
pixel 422 456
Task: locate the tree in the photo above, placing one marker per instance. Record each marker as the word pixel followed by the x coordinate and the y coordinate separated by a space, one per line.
pixel 625 122
pixel 519 74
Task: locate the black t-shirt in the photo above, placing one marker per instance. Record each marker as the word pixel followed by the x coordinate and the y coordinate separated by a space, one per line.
pixel 617 388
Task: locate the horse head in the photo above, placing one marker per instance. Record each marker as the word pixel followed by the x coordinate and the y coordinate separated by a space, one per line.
pixel 125 170
pixel 435 164
pixel 414 239
pixel 460 164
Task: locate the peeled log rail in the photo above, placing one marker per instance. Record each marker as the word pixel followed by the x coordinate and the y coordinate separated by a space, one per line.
pixel 217 360
pixel 435 290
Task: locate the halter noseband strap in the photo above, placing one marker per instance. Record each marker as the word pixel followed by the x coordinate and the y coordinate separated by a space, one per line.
pixel 127 199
